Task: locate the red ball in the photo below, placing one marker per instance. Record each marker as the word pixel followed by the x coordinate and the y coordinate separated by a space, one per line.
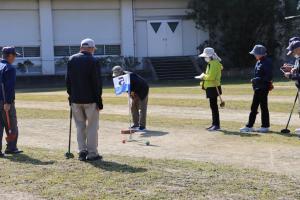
pixel 124 141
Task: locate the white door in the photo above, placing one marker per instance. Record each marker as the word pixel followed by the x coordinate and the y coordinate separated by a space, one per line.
pixel 174 38
pixel 164 38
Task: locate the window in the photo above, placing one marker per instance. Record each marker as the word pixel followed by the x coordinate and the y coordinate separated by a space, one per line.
pixel 112 50
pixel 100 50
pixel 64 51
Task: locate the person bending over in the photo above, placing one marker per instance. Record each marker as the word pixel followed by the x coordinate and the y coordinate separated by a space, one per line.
pixel 139 90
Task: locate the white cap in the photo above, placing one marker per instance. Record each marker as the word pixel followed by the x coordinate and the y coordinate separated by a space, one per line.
pixel 88 43
pixel 207 53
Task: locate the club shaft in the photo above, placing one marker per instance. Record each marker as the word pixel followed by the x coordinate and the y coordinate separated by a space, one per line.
pixel 292 110
pixel 70 131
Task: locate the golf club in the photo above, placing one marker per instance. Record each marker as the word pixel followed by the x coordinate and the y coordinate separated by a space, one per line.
pixel 222 104
pixel 69 155
pixel 286 130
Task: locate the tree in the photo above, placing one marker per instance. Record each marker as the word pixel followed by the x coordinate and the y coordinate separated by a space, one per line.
pixel 235 26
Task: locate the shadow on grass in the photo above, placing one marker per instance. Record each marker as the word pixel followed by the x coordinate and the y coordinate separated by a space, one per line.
pixel 23 158
pixel 150 133
pixel 117 167
pixel 285 134
pixel 237 133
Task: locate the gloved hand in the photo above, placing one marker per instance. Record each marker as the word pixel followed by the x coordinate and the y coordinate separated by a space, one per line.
pixel 100 106
pixel 200 77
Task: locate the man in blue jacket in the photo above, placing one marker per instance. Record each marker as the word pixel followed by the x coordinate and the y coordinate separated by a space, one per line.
pixel 7 98
pixel 262 84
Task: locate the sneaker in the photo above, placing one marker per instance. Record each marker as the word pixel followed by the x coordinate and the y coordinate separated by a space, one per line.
pixel 82 155
pixel 142 128
pixel 14 151
pixel 98 157
pixel 209 127
pixel 297 131
pixel 1 155
pixel 214 128
pixel 246 130
pixel 263 130
pixel 134 128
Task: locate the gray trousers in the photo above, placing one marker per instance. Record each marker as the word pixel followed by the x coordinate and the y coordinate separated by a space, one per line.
pixel 14 126
pixel 86 118
pixel 139 111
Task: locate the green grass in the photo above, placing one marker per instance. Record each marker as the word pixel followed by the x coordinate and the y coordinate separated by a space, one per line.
pixel 47 174
pixel 230 128
pixel 230 104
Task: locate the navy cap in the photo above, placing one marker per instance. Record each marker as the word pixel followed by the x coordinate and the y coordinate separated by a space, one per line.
pixel 294 45
pixel 294 39
pixel 259 50
pixel 9 50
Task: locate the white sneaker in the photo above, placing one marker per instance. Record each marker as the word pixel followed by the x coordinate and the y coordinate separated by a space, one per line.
pixel 263 130
pixel 246 130
pixel 297 131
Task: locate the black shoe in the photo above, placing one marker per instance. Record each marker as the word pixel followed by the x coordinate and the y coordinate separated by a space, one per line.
pixel 82 155
pixel 95 158
pixel 214 128
pixel 14 151
pixel 142 128
pixel 1 155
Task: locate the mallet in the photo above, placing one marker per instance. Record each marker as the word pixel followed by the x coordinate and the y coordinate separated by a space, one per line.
pixel 11 137
pixel 222 104
pixel 69 155
pixel 286 130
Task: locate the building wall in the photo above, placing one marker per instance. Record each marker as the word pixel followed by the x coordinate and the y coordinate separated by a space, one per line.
pixel 166 10
pixel 44 28
pixel 96 19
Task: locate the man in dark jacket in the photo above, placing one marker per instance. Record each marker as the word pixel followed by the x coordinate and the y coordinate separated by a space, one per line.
pixel 262 84
pixel 7 99
pixel 139 90
pixel 84 86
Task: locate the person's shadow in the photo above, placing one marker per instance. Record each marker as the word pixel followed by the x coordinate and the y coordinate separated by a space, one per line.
pixel 23 158
pixel 236 133
pixel 150 133
pixel 116 167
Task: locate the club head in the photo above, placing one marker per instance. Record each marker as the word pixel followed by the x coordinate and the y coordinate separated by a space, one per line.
pixel 222 105
pixel 285 131
pixel 69 155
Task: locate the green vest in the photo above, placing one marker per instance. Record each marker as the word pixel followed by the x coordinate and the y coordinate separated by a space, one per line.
pixel 213 74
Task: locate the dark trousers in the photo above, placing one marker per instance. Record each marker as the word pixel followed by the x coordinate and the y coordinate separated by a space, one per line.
pixel 14 126
pixel 213 101
pixel 260 98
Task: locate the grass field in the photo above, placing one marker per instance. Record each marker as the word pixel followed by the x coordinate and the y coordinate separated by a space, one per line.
pixel 183 162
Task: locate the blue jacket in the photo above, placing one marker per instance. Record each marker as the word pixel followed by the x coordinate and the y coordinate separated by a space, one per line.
pixel 263 74
pixel 7 81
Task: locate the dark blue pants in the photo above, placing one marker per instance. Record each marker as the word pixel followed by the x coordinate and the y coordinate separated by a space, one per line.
pixel 14 126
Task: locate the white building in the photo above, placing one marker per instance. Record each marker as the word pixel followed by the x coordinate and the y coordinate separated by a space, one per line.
pixel 44 30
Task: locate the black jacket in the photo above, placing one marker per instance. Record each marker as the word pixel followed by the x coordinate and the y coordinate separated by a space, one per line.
pixel 84 82
pixel 139 86
pixel 263 74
